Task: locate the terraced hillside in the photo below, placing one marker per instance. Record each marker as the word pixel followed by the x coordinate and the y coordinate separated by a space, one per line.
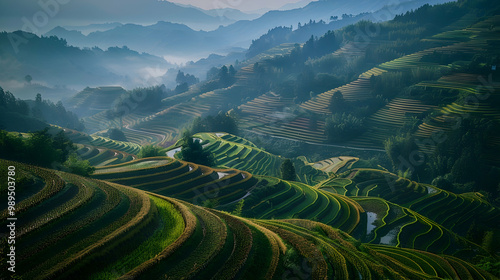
pixel 236 152
pixel 102 156
pixel 456 212
pixel 94 100
pixel 69 227
pixel 335 164
pixel 388 120
pixel 102 142
pixel 178 179
pixel 465 37
pixel 271 198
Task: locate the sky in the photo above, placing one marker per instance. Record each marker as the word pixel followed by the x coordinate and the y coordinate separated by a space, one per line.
pixel 242 5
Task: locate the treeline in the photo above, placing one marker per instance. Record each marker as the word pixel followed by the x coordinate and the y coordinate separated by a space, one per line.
pixel 184 81
pixel 43 149
pixel 52 60
pixel 222 122
pixel 219 78
pixel 137 100
pixel 283 34
pixel 457 163
pixel 29 115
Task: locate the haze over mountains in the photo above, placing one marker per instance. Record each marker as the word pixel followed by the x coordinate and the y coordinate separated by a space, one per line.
pixel 165 38
pixel 153 36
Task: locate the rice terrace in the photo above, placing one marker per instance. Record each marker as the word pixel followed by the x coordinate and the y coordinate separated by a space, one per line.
pixel 313 139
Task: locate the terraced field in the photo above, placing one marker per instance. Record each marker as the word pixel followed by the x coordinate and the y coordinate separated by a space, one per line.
pixel 271 198
pixel 102 142
pixel 101 156
pixel 76 227
pixel 387 120
pixel 450 116
pixel 299 129
pixel 371 220
pixel 452 211
pixel 235 152
pixel 265 109
pixel 335 164
pixel 359 89
pixel 179 179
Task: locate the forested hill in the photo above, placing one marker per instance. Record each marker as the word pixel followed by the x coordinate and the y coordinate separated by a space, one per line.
pixel 50 60
pixel 30 115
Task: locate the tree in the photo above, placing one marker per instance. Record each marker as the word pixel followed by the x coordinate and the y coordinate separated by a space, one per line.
pixel 78 166
pixel 212 74
pixel 239 208
pixel 341 127
pixel 62 143
pixel 38 98
pixel 40 149
pixel 192 151
pixel 288 170
pixel 222 122
pixel 150 151
pixel 116 134
pixel 182 78
pixel 337 102
pixel 398 149
pixel 181 88
pixel 232 71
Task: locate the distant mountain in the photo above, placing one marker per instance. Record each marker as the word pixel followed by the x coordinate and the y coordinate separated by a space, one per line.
pixel 162 38
pixel 92 11
pixel 280 35
pixel 86 29
pixel 51 61
pixel 171 39
pixel 232 14
pixel 296 5
pixel 243 31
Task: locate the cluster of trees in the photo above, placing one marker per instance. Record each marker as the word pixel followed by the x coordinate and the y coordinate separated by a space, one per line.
pixel 283 34
pixel 184 81
pixel 272 38
pixel 29 115
pixel 52 113
pixel 150 151
pixel 288 170
pixel 116 134
pixel 312 48
pixel 219 77
pixel 43 149
pixel 222 122
pixel 192 151
pixel 341 127
pixel 140 99
pixel 458 161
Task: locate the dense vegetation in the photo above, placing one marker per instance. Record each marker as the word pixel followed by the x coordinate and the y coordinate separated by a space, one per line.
pixel 371 155
pixel 28 115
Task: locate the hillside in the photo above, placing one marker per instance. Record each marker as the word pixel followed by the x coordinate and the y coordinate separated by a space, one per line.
pixel 75 13
pixel 54 63
pixel 369 150
pixel 371 220
pixel 168 37
pixel 91 220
